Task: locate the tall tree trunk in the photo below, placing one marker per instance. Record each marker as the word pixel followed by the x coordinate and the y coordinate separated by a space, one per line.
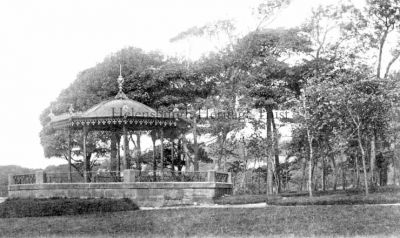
pixel 394 168
pixel 188 160
pixel 395 157
pixel 303 178
pixel 335 172
pixel 357 173
pixel 310 172
pixel 221 152
pixel 381 44
pixel 363 160
pixel 314 183
pixel 270 172
pixel 343 167
pixel 323 175
pixel 276 152
pixel 310 147
pixel 373 161
pixel 269 155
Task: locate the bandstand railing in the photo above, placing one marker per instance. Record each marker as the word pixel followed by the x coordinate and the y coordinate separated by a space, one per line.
pixel 171 176
pixel 93 177
pixel 107 177
pixel 221 177
pixel 126 176
pixel 63 178
pixel 23 178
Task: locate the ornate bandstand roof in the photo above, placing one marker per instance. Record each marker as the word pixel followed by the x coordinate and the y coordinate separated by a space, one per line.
pixel 114 113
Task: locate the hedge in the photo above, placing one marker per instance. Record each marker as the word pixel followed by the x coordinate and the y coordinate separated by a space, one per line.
pixel 33 207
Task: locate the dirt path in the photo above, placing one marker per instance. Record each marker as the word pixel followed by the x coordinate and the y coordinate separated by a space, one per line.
pixel 252 205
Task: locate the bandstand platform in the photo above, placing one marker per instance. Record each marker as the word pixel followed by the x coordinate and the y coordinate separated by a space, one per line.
pixel 145 189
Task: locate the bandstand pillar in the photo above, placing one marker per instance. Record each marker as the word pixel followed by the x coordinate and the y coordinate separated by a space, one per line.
pixel 69 156
pixel 139 152
pixel 114 151
pixel 153 140
pixel 130 175
pixel 40 177
pixel 162 152
pixel 85 163
pixel 119 155
pixel 126 148
pixel 11 180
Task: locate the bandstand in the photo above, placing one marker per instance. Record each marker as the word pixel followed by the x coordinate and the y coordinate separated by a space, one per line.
pixel 119 116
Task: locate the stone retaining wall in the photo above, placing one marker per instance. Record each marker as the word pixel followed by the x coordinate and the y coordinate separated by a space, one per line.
pixel 143 193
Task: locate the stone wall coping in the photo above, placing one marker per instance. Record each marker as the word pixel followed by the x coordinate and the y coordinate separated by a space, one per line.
pixel 135 185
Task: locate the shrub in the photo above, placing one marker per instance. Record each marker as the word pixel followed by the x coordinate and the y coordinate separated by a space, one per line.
pixel 32 207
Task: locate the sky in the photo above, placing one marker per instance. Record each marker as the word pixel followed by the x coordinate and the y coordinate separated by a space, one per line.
pixel 45 44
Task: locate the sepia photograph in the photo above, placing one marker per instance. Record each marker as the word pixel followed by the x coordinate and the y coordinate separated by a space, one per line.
pixel 200 118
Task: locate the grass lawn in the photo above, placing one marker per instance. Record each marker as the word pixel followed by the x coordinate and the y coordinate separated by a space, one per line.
pixel 383 195
pixel 281 221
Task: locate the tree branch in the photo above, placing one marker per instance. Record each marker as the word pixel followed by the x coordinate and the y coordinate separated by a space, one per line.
pixel 395 57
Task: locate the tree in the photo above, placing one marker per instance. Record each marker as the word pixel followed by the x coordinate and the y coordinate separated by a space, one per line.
pixel 358 105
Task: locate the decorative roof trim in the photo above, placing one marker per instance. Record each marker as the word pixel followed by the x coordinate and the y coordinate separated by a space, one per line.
pixel 116 121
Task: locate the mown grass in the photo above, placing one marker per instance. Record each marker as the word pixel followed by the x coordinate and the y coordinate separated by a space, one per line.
pixel 30 207
pixel 383 195
pixel 279 221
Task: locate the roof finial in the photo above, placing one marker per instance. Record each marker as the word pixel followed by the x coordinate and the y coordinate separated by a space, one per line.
pixel 71 109
pixel 51 114
pixel 121 94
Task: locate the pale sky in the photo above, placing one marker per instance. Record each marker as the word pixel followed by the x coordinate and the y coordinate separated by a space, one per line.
pixel 45 44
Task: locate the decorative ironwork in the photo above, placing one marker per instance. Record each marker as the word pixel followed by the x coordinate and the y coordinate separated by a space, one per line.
pixel 221 177
pixel 115 177
pixel 93 176
pixel 170 176
pixel 64 178
pixel 77 122
pixel 24 179
pixel 107 177
pixel 145 177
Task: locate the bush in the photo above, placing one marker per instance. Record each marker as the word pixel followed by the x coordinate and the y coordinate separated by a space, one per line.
pixel 32 207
